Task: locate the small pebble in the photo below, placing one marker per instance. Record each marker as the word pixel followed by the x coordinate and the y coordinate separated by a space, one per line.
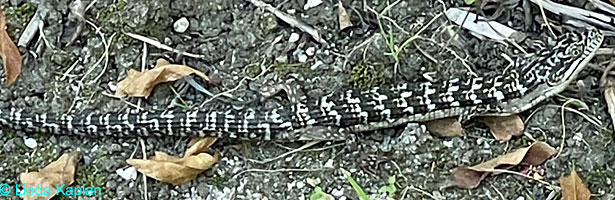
pixel 181 25
pixel 302 58
pixel 313 182
pixel 128 173
pixel 30 143
pixel 329 163
pixel 310 51
pixel 294 37
pixel 448 144
pixel 300 184
pixel 311 3
pixel 337 192
pixel 112 86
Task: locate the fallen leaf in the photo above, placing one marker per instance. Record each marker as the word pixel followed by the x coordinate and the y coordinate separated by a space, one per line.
pixel 446 127
pixel 176 170
pixel 535 154
pixel 9 53
pixel 504 128
pixel 141 84
pixel 573 187
pixel 609 97
pixel 342 17
pixel 59 172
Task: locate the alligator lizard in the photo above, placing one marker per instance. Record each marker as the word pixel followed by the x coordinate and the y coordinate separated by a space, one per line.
pixel 523 85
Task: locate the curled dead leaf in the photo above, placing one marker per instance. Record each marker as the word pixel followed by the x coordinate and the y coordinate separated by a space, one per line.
pixel 573 187
pixel 141 84
pixel 535 154
pixel 504 128
pixel 9 53
pixel 446 127
pixel 59 172
pixel 176 170
pixel 342 17
pixel 609 97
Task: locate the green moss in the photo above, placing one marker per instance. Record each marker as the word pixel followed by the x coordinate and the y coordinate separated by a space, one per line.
pixel 18 17
pixel 113 19
pixel 365 76
pixel 599 175
pixel 287 68
pixel 218 181
pixel 89 176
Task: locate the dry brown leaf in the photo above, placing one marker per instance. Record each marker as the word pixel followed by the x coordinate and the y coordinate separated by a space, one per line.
pixel 446 127
pixel 141 84
pixel 504 128
pixel 609 97
pixel 343 18
pixel 573 187
pixel 9 53
pixel 59 172
pixel 535 154
pixel 200 146
pixel 176 170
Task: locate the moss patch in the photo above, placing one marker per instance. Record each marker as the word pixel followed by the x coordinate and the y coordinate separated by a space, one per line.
pixel 18 17
pixel 365 76
pixel 88 175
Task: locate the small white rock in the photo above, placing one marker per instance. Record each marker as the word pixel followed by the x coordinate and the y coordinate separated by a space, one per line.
pixel 300 184
pixel 181 25
pixel 302 58
pixel 30 143
pixel 128 173
pixel 294 37
pixel 448 144
pixel 310 51
pixel 337 192
pixel 329 164
pixel 311 3
pixel 112 86
pixel 313 182
pixel 316 65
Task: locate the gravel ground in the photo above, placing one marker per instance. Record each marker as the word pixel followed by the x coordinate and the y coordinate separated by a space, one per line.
pixel 239 40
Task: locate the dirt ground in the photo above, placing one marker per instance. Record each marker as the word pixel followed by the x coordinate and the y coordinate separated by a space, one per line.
pixel 239 40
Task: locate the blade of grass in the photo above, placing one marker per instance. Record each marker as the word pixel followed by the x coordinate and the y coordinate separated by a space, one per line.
pixel 357 188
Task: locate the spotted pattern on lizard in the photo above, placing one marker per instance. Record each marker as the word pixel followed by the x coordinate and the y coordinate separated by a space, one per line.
pixel 524 84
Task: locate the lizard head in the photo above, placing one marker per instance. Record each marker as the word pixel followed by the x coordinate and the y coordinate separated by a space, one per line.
pixel 552 69
pixel 573 51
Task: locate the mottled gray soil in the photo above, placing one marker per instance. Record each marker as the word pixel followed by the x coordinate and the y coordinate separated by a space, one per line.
pixel 239 40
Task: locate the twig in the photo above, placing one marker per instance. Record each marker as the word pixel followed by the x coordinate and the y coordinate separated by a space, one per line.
pixel 290 20
pixel 163 46
pixel 305 146
pixel 550 186
pixel 544 16
pixel 279 170
pixel 241 82
pixel 144 175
